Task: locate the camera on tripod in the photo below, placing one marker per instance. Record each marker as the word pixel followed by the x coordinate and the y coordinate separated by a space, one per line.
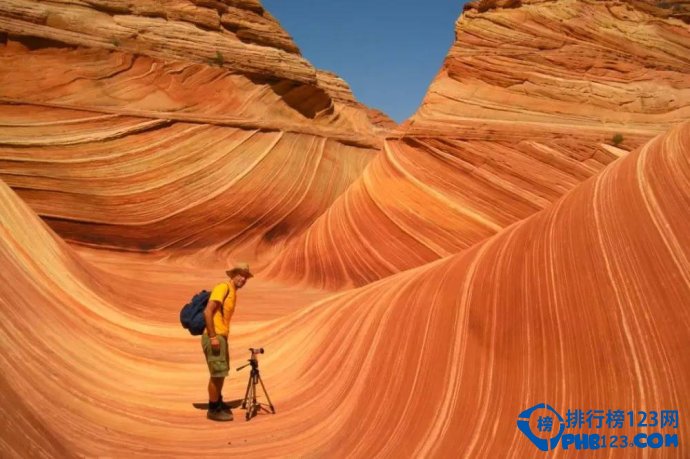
pixel 249 402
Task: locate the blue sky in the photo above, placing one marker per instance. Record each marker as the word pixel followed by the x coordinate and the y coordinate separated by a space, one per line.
pixel 387 50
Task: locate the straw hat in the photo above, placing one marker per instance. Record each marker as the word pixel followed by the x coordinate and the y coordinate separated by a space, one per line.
pixel 240 268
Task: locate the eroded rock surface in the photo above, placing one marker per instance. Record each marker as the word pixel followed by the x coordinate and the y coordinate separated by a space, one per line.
pixel 532 99
pixel 148 125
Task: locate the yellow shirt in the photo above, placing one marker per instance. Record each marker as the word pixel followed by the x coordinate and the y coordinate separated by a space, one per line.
pixel 226 294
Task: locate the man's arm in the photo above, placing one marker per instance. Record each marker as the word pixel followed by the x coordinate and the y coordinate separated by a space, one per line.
pixel 211 308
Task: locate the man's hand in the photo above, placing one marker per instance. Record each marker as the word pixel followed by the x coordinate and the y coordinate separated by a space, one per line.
pixel 215 345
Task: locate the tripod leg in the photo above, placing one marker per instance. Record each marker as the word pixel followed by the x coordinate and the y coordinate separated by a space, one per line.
pixel 266 392
pixel 246 393
pixel 250 390
pixel 255 405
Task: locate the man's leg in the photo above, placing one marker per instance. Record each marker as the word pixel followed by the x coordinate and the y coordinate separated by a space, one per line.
pixel 218 368
pixel 215 388
pixel 220 388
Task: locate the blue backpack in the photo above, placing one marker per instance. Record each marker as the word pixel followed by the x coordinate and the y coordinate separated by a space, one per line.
pixel 192 314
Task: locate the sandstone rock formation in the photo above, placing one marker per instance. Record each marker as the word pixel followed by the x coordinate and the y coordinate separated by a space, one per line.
pixel 148 125
pixel 506 250
pixel 490 331
pixel 242 33
pixel 530 101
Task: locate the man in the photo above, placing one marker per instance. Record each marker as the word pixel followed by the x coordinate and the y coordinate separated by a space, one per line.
pixel 214 341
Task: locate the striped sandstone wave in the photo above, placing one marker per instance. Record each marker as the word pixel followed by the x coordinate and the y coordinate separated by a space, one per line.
pixel 527 105
pixel 581 305
pixel 131 143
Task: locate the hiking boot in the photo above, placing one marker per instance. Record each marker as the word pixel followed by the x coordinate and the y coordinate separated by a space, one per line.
pixel 224 406
pixel 219 415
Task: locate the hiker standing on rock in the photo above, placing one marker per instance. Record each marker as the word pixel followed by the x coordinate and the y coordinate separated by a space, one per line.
pixel 214 341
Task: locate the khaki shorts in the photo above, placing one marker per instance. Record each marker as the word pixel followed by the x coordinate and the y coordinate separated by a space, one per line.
pixel 218 364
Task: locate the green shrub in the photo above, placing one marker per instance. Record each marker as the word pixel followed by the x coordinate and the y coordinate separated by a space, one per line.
pixel 219 60
pixel 617 139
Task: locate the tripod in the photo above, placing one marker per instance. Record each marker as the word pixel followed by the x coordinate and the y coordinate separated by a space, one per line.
pixel 249 403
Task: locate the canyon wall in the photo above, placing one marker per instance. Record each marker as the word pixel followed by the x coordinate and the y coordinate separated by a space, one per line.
pixel 578 306
pixel 145 126
pixel 533 98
